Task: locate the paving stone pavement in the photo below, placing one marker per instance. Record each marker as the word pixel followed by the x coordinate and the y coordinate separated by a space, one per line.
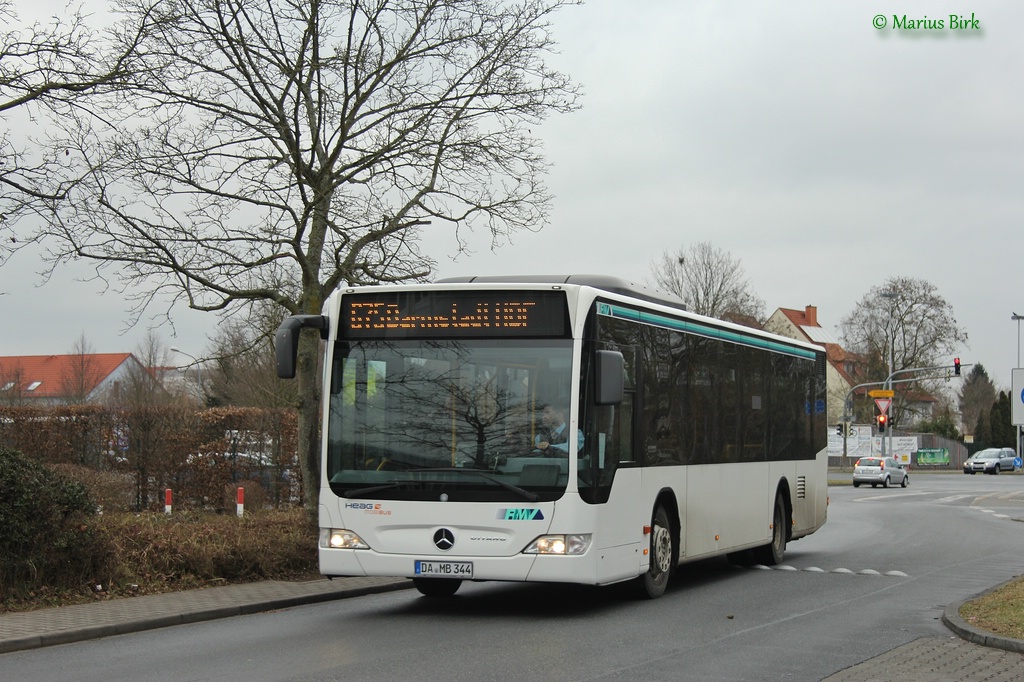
pixel 966 655
pixel 937 659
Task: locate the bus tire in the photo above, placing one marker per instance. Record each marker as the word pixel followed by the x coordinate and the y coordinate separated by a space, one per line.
pixel 772 553
pixel 654 582
pixel 437 587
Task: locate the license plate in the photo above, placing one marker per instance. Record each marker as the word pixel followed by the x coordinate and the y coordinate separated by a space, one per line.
pixel 444 569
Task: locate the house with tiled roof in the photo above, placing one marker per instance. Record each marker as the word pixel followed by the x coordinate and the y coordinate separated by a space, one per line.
pixel 64 379
pixel 844 371
pixel 841 369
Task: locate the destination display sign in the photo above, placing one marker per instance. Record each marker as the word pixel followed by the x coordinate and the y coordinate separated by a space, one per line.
pixel 454 314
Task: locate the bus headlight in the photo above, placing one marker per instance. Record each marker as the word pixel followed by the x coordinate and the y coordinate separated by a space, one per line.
pixel 566 545
pixel 339 538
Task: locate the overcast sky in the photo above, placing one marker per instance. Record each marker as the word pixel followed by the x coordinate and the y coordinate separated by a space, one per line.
pixel 823 153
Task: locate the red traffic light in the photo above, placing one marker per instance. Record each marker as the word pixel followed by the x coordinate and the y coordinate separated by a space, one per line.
pixel 882 421
pixel 956 366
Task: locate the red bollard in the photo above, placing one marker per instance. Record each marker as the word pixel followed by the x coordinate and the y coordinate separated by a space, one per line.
pixel 167 501
pixel 241 502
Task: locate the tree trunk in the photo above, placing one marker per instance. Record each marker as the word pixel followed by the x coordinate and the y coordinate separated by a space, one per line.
pixel 309 420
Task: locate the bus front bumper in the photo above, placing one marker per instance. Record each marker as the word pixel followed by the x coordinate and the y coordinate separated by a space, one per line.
pixel 516 568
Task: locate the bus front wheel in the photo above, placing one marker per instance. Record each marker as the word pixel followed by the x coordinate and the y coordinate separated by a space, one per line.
pixel 437 587
pixel 655 580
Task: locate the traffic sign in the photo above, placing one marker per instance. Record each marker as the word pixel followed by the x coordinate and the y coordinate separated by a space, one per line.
pixel 879 393
pixel 883 404
pixel 1017 404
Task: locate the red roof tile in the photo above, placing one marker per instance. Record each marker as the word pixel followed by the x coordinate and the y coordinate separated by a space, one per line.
pixel 52 371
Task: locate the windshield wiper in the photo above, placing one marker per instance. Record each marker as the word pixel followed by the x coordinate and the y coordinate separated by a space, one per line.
pixel 360 492
pixel 532 497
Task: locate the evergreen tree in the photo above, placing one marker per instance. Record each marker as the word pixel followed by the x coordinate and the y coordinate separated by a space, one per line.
pixel 1003 432
pixel 982 432
pixel 943 425
pixel 976 395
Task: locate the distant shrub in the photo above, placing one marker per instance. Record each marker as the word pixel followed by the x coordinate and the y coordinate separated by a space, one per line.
pixel 47 537
pixel 113 491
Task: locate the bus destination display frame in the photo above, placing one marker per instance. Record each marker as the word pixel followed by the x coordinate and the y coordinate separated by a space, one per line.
pixel 454 314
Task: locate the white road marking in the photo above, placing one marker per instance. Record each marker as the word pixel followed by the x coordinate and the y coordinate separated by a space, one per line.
pixel 890 496
pixel 845 571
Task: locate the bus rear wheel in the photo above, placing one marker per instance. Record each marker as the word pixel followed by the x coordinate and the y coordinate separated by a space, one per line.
pixel 654 582
pixel 437 587
pixel 772 553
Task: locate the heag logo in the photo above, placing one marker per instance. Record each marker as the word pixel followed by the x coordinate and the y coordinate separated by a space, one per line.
pixel 520 515
pixel 369 508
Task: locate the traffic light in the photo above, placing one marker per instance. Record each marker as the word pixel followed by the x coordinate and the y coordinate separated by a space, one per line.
pixel 882 421
pixel 839 429
pixel 956 366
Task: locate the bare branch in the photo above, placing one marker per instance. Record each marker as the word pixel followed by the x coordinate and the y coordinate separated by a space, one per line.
pixel 902 324
pixel 275 150
pixel 709 281
pixel 49 68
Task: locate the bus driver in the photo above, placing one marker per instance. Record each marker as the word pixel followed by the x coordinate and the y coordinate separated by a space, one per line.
pixel 552 435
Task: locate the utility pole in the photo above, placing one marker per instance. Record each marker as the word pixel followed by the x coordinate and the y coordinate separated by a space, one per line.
pixel 887 388
pixel 890 340
pixel 1018 318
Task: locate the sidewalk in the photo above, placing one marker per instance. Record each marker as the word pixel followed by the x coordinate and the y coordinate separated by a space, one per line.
pixel 972 655
pixel 64 624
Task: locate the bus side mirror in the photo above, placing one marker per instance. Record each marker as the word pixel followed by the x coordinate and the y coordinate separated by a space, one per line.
pixel 286 341
pixel 609 370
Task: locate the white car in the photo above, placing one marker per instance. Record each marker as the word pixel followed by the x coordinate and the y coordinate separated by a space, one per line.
pixel 880 471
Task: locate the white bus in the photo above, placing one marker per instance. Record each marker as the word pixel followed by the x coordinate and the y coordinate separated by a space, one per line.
pixel 694 437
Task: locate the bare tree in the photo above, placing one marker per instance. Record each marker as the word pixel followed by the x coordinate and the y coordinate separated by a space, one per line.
pixel 43 66
pixel 902 324
pixel 278 150
pixel 81 374
pixel 243 363
pixel 148 420
pixel 710 281
pixel 141 386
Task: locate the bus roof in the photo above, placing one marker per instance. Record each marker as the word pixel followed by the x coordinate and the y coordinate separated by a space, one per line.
pixel 622 287
pixel 611 284
pixel 616 285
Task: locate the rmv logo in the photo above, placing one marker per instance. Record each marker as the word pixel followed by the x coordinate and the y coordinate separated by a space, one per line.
pixel 520 514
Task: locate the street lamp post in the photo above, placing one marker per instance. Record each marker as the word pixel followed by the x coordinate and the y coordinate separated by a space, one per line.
pixel 890 340
pixel 1018 318
pixel 199 371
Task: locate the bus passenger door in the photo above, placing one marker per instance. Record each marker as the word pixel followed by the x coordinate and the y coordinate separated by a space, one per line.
pixel 616 490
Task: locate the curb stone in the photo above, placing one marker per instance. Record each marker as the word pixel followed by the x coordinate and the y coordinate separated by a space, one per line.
pixel 951 619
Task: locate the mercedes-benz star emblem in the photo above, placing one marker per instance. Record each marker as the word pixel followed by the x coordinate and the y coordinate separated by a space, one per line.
pixel 444 539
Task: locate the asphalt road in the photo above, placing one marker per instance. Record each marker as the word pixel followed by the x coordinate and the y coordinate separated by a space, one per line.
pixel 875 578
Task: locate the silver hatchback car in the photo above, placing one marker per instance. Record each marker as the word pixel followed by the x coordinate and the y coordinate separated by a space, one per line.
pixel 880 471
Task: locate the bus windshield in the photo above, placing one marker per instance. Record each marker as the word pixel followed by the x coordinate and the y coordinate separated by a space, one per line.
pixel 455 420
